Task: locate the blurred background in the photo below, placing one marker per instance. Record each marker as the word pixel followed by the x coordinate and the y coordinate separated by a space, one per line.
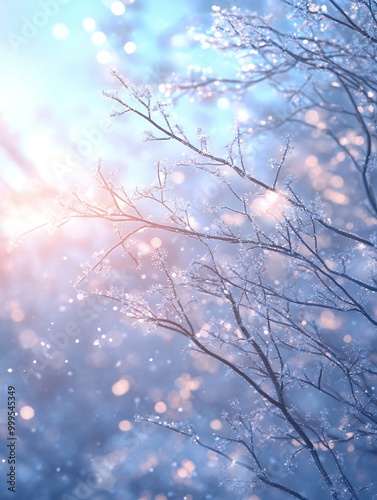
pixel 80 373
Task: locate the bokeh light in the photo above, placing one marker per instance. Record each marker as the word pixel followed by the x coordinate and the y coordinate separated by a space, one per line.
pixel 98 38
pixel 129 47
pixel 60 31
pixel 27 412
pixel 89 24
pixel 104 56
pixel 118 8
pixel 120 388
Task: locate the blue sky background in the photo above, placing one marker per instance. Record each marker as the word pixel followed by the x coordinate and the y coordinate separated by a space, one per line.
pixel 52 81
